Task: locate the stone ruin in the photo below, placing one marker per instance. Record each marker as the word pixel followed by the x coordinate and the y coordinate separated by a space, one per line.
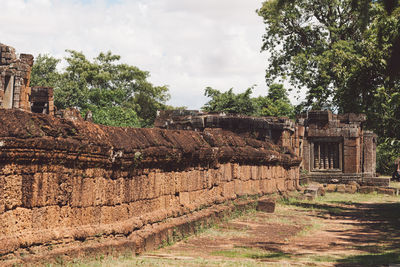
pixel 334 148
pixel 279 130
pixel 15 92
pixel 337 148
pixel 83 189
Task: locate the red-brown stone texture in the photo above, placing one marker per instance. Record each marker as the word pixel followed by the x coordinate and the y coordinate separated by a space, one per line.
pixel 337 147
pixel 64 181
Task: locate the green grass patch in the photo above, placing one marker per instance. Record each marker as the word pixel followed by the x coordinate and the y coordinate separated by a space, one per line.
pixel 349 199
pixel 250 253
pixel 127 261
pixel 395 184
pixel 323 258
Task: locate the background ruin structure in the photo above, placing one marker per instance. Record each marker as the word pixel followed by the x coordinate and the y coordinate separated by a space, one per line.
pixel 334 148
pixel 15 92
pixel 337 147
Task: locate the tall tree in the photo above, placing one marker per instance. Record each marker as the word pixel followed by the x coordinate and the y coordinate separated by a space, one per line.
pixel 340 50
pixel 117 94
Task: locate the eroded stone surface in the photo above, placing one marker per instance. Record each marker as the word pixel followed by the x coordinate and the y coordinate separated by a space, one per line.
pixel 70 180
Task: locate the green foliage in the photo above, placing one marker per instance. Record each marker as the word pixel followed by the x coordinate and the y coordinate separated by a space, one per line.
pixel 115 116
pixel 341 51
pixel 117 94
pixel 276 103
pixel 387 152
pixel 44 71
pixel 229 102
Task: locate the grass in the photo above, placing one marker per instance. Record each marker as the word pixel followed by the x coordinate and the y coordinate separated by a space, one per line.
pixel 395 184
pixel 125 261
pixel 250 253
pixel 372 259
pixel 356 198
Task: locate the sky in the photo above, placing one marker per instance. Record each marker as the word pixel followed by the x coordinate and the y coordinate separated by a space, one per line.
pixel 185 44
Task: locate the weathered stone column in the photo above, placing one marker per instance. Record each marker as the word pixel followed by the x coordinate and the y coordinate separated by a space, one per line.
pixel 9 92
pixel 369 154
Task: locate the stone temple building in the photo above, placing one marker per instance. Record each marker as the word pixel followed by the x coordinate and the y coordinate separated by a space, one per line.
pixel 15 92
pixel 334 148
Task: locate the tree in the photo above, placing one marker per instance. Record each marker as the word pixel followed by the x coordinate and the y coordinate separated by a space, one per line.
pixel 276 103
pixel 229 102
pixel 345 52
pixel 44 71
pixel 116 94
pixel 340 50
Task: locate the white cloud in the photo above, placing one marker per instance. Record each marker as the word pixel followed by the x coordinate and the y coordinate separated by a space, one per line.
pixel 186 44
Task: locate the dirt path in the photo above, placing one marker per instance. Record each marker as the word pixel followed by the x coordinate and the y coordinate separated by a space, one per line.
pixel 328 232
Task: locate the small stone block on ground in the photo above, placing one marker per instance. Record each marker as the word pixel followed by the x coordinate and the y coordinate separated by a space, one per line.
pixel 341 188
pixel 386 191
pixel 366 189
pixel 331 188
pixel 315 190
pixel 351 189
pixel 266 205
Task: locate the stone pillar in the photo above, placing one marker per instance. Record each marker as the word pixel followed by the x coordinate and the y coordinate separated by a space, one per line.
pixel 9 92
pixel 341 157
pixel 369 154
pixel 17 92
pixel 308 152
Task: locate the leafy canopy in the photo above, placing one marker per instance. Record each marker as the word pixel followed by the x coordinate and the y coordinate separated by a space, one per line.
pixel 341 51
pixel 229 102
pixel 346 53
pixel 117 94
pixel 276 103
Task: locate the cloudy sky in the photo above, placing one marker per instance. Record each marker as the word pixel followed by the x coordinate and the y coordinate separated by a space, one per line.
pixel 185 44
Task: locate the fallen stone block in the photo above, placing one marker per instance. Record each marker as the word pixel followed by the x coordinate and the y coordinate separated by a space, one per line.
pixel 315 190
pixel 386 191
pixel 366 189
pixel 331 188
pixel 266 205
pixel 341 188
pixel 351 189
pixel 354 183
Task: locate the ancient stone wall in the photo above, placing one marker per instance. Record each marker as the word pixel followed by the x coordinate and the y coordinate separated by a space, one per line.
pixel 279 130
pixel 64 181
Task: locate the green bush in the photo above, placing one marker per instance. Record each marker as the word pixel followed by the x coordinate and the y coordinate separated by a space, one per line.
pixel 388 150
